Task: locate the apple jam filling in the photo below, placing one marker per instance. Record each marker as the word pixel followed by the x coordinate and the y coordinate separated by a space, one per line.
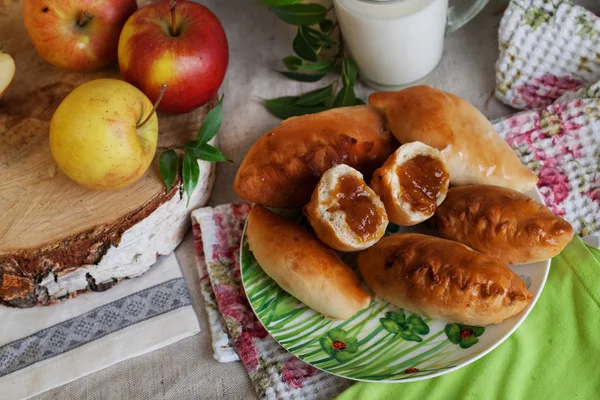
pixel 351 197
pixel 421 178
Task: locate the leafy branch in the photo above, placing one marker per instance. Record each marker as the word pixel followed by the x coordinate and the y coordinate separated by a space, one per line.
pixel 193 151
pixel 314 58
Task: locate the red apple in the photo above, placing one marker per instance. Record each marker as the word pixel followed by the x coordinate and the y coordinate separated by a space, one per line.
pixel 77 35
pixel 180 44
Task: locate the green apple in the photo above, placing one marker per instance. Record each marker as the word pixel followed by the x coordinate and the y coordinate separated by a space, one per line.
pixel 97 137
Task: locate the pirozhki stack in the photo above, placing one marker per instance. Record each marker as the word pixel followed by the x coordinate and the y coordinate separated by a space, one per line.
pixel 427 155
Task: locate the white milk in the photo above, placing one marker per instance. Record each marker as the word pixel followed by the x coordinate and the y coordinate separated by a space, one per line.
pixel 394 43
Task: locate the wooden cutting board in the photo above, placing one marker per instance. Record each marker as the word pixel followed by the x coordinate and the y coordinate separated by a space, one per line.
pixel 49 224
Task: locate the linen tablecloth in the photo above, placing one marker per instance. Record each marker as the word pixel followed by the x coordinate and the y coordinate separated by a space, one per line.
pixel 258 40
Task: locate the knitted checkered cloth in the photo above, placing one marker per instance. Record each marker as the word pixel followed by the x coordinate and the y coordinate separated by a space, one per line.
pixel 547 48
pixel 549 61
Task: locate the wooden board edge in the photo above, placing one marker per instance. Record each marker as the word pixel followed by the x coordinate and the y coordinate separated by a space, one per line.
pixel 63 270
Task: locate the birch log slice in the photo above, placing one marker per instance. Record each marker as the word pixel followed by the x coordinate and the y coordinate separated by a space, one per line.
pixel 56 237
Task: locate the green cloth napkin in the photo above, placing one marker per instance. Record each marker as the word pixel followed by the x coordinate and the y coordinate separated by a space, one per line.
pixel 554 354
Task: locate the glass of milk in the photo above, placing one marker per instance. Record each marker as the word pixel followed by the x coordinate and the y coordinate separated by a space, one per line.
pixel 398 43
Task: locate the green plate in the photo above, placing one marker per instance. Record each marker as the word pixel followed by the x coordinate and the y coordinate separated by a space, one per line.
pixel 382 343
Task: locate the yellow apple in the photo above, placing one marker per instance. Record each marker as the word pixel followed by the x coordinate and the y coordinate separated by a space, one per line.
pixel 95 138
pixel 7 72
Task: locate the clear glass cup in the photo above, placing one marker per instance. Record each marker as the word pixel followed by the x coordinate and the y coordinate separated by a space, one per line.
pixel 399 43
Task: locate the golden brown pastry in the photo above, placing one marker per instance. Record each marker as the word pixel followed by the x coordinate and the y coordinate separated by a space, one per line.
pixel 442 279
pixel 473 150
pixel 502 223
pixel 303 266
pixel 345 213
pixel 412 183
pixel 284 166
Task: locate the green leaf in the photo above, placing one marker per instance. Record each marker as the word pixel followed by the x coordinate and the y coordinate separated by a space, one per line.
pixel 327 345
pixel 208 153
pixel 319 36
pixel 390 325
pixel 279 102
pixel 410 336
pixel 396 316
pixel 453 333
pixel 169 161
pixel 292 62
pixel 359 102
pixel 279 2
pixel 337 334
pixel 351 345
pixel 303 48
pixel 345 97
pixel 314 34
pixel 285 111
pixel 191 145
pixel 298 76
pixel 465 343
pixel 417 325
pixel 318 66
pixel 326 25
pixel 211 124
pixel 190 173
pixel 286 305
pixel 313 39
pixel 476 330
pixel 284 100
pixel 315 97
pixel 343 356
pixel 350 72
pixel 301 14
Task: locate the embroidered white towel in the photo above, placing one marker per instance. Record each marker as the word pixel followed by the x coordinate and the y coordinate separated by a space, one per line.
pixel 45 347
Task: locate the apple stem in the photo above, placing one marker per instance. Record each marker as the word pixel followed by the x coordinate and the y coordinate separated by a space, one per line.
pixel 172 5
pixel 160 96
pixel 85 17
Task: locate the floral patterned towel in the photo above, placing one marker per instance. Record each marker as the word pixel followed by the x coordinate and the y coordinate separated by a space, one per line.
pixel 547 47
pixel 224 349
pixel 275 373
pixel 561 144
